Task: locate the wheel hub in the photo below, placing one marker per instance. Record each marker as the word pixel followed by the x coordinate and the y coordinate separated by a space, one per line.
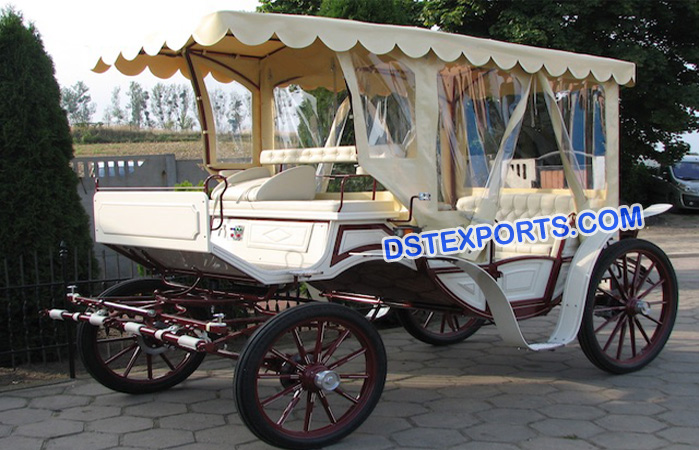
pixel 327 380
pixel 640 307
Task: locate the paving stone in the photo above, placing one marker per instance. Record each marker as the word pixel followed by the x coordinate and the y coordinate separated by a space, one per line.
pixel 509 416
pixel 632 408
pixel 7 402
pixel 185 395
pixel 630 441
pixel 384 426
pixel 217 406
pixel 582 412
pixel 192 421
pixel 682 435
pixel 5 430
pixel 88 440
pixel 24 416
pixel 50 428
pixel 567 428
pixel 398 409
pixel 158 438
pixel 444 420
pixel 228 435
pixel 156 409
pixel 554 443
pixel 429 438
pixel 20 443
pixel 89 413
pixel 638 424
pixel 37 392
pixel 496 432
pixel 89 388
pixel 364 442
pixel 680 418
pixel 59 402
pixel 121 424
pixel 120 399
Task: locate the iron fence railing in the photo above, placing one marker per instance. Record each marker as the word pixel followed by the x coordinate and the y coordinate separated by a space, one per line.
pixel 33 282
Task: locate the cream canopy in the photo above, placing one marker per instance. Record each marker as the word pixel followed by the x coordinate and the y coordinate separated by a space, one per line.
pixel 259 35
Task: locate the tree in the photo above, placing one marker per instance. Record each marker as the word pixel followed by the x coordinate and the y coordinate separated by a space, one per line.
pixel 182 107
pixel 400 12
pixel 162 100
pixel 38 189
pixel 114 113
pixel 78 104
pixel 305 7
pixel 139 116
pixel 659 36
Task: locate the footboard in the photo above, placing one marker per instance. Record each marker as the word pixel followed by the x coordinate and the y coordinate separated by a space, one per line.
pixel 169 220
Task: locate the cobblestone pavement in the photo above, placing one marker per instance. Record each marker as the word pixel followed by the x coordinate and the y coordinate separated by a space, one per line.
pixel 476 395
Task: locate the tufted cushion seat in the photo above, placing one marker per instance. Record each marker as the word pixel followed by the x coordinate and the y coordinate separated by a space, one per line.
pixel 314 155
pixel 527 206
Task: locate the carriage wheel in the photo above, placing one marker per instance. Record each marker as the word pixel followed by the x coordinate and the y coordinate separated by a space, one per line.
pixel 631 306
pixel 133 364
pixel 438 327
pixel 310 376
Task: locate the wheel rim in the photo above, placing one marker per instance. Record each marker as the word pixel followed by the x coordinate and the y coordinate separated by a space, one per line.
pixel 443 324
pixel 632 307
pixel 138 359
pixel 316 377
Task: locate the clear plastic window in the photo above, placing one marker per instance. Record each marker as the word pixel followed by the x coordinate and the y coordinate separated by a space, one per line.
pixel 232 107
pixel 475 105
pixel 309 118
pixel 387 90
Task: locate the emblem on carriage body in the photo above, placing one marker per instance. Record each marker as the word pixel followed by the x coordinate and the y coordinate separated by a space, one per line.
pixel 237 232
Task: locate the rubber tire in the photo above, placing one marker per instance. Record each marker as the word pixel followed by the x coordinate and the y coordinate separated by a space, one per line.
pixel 256 348
pixel 586 336
pixel 88 351
pixel 407 319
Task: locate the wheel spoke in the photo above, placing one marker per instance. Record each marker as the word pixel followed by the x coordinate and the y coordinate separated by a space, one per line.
pixel 279 354
pixel 640 328
pixel 319 342
pixel 622 333
pixel 637 270
pixel 326 406
pixel 455 322
pixel 614 332
pixel 344 394
pixel 299 345
pixel 655 285
pixel 335 345
pixel 120 354
pixel 132 361
pixel 115 339
pixel 657 322
pixel 346 359
pixel 443 324
pixel 310 400
pixel 354 376
pixel 632 336
pixel 290 407
pixel 643 278
pixel 428 320
pixel 167 361
pixel 149 365
pixel 607 322
pixel 295 387
pixel 618 285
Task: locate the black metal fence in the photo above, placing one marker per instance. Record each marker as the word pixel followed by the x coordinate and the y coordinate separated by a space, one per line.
pixel 35 282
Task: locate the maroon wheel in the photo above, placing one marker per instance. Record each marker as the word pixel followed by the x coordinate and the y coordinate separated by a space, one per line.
pixel 128 363
pixel 310 376
pixel 631 306
pixel 438 327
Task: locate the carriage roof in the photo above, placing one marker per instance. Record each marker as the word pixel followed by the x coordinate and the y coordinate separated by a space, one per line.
pixel 259 35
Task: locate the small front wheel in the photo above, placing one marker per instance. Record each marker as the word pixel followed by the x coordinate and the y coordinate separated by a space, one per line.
pixel 310 376
pixel 630 308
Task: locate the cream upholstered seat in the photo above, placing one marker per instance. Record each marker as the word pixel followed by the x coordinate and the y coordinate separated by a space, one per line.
pixel 296 183
pixel 527 206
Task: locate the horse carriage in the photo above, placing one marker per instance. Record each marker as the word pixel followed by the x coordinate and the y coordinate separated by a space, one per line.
pixel 325 136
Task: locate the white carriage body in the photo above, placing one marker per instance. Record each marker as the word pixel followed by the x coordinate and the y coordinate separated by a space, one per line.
pixel 490 130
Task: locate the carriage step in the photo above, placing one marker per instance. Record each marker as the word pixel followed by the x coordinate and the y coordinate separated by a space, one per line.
pixel 138 329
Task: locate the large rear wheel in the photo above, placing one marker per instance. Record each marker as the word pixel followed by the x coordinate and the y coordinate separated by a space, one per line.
pixel 630 308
